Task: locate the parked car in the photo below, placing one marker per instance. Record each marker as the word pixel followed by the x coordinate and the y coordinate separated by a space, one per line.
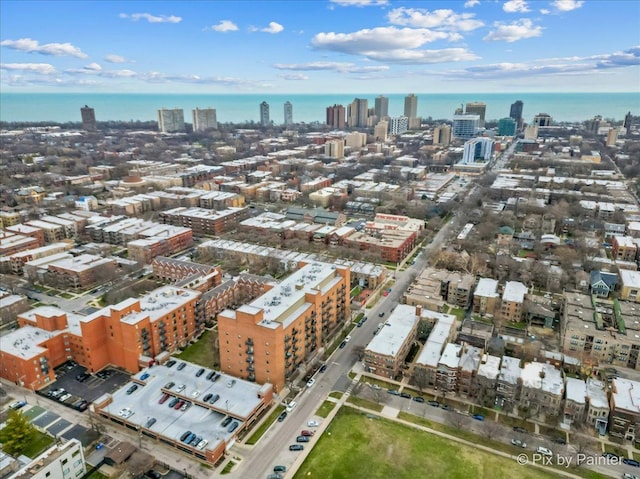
pixel 291 406
pixel 610 455
pixel 275 475
pixel 150 422
pixel 381 315
pixel 296 447
pixel 306 432
pixel 311 382
pixel 434 403
pixel 185 406
pixel 405 395
pixel 202 444
pixel 173 402
pixel 446 407
pixel 342 344
pixel 626 475
pixel 544 451
pixel 313 423
pixel 164 398
pixel 631 462
pixel 133 388
pixel 178 405
pixel 393 392
pixel 181 366
pixel 195 394
pixel 279 469
pixel 478 417
pixel 215 377
pixel 560 440
pixel 519 443
pixel 323 368
pixel 302 439
pixel 153 474
pixel 169 385
pixel 214 398
pixel 282 416
pixel 181 388
pixel 210 375
pixel 347 339
pixel 207 397
pixel 519 429
pixel 189 438
pixel 15 405
pixel 145 376
pixel 200 372
pixel 170 363
pixel 233 426
pixel 185 435
pixel 226 421
pixel 195 440
pixel 418 399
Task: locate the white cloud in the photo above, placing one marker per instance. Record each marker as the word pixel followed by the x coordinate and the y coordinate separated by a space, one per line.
pixel 118 73
pixel 112 58
pixel 295 76
pixel 39 68
pixel 514 6
pixel 471 3
pixel 359 3
pixel 32 46
pixel 545 11
pixel 225 26
pixel 93 66
pixel 442 19
pixel 513 32
pixel 273 28
pixel 151 18
pixel 341 67
pixel 567 5
pixel 393 45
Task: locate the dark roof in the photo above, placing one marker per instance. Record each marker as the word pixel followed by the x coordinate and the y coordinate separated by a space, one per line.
pixel 610 279
pixel 119 453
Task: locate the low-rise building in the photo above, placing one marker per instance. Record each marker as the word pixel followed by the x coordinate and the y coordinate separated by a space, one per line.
pixel 575 403
pixel 80 271
pixel 630 285
pixel 542 389
pixel 597 405
pixel 426 364
pixel 508 383
pixel 486 380
pixel 389 245
pixel 624 400
pixel 202 221
pixel 624 248
pixel 512 305
pixel 62 460
pixel 470 361
pixel 386 352
pixel 486 297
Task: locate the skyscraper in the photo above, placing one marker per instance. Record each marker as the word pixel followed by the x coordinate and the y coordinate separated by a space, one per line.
pixel 88 118
pixel 380 131
pixel 264 114
pixel 358 113
pixel 627 121
pixel 442 135
pixel 204 119
pixel 465 126
pixel 288 113
pixel 335 116
pixel 170 121
pixel 411 106
pixel 398 125
pixel 382 107
pixel 516 112
pixel 506 127
pixel 476 108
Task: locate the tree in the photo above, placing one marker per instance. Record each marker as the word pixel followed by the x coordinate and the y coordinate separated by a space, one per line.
pixel 17 434
pixel 455 419
pixel 420 378
pixel 491 429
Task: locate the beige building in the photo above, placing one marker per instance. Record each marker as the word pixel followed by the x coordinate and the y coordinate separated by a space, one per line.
pixel 433 288
pixel 597 405
pixel 426 365
pixel 542 389
pixel 630 285
pixel 512 304
pixel 486 298
pixel 386 352
pixel 575 403
pixel 625 410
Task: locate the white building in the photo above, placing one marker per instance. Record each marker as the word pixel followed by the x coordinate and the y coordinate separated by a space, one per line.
pixel 288 113
pixel 61 461
pixel 398 125
pixel 465 126
pixel 478 149
pixel 170 121
pixel 204 119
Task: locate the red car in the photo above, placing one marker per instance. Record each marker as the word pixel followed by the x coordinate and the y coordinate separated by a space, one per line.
pixel 178 405
pixel 307 433
pixel 163 399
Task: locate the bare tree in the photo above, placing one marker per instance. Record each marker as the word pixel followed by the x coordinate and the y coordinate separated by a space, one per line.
pixel 455 419
pixel 491 429
pixel 420 378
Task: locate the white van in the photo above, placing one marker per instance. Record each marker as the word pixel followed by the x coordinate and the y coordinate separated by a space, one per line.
pixel 291 406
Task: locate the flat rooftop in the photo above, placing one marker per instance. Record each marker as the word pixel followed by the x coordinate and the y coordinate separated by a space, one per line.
pixel 626 395
pixel 237 401
pixel 393 335
pixel 24 342
pixel 542 376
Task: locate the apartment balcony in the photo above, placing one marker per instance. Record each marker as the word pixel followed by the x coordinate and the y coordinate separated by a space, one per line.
pixel 249 350
pixel 249 342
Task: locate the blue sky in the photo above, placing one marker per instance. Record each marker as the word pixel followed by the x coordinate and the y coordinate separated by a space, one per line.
pixel 323 46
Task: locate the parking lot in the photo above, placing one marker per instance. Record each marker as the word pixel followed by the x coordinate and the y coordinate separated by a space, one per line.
pixel 81 388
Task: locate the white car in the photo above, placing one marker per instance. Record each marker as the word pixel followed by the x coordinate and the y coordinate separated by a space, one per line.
pixel 311 382
pixel 195 394
pixel 202 444
pixel 291 406
pixel 180 388
pixel 347 339
pixel 544 451
pixel 313 424
pixel 518 442
pixel 125 413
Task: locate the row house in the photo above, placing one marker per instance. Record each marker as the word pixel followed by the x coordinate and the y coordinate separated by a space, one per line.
pixel 15 263
pixel 542 389
pixel 11 243
pixel 624 424
pixel 425 368
pixel 205 222
pixel 624 248
pixel 171 269
pixel 486 379
pixel 26 230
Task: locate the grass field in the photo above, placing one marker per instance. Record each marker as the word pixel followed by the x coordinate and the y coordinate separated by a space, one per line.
pixel 376 448
pixel 201 352
pixel 39 443
pixel 265 425
pixel 325 409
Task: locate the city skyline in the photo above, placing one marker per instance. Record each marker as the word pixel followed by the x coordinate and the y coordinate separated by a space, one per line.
pixel 366 46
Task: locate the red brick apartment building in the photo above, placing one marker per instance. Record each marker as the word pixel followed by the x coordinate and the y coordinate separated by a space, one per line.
pixel 269 339
pixel 203 221
pixel 390 245
pixel 126 335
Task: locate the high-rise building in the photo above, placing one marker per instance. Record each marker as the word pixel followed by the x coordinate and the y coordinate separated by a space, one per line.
pixel 264 114
pixel 271 338
pixel 442 135
pixel 398 125
pixel 593 125
pixel 531 132
pixel 515 112
pixel 381 109
pixel 627 121
pixel 465 126
pixel 358 113
pixel 380 131
pixel 334 148
pixel 204 119
pixel 411 106
pixel 476 108
pixel 88 118
pixel 612 137
pixel 477 149
pixel 335 116
pixel 542 119
pixel 506 127
pixel 288 113
pixel 170 121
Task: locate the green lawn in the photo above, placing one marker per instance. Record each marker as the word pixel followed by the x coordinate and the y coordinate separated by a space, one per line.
pixel 227 469
pixel 201 352
pixel 357 446
pixel 335 394
pixel 379 382
pixel 365 403
pixel 325 409
pixel 265 425
pixel 40 443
